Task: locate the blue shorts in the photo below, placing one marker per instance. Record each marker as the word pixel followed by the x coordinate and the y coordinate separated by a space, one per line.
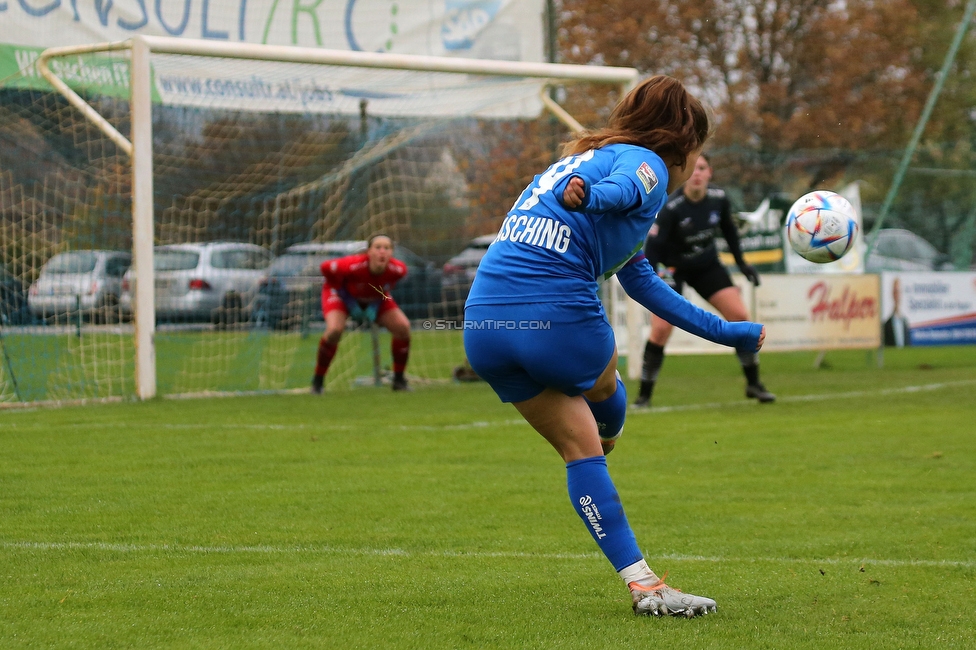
pixel 521 350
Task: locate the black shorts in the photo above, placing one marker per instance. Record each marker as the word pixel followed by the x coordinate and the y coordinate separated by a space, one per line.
pixel 706 280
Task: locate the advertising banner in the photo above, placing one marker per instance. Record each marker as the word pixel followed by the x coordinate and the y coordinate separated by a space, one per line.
pixel 681 342
pixel 928 308
pixel 819 312
pixel 485 29
pixel 620 309
pixel 763 249
pixel 800 312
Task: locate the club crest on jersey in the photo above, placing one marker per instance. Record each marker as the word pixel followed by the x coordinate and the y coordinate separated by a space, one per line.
pixel 647 177
pixel 713 218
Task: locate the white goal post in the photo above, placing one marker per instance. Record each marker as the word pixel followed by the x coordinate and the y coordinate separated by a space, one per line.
pixel 140 147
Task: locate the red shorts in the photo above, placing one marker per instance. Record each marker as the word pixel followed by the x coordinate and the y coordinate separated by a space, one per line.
pixel 332 301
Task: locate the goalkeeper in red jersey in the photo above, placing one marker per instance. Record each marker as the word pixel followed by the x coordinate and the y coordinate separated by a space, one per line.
pixel 359 286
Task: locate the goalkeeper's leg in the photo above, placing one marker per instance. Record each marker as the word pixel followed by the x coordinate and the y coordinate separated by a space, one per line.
pixel 392 318
pixel 335 325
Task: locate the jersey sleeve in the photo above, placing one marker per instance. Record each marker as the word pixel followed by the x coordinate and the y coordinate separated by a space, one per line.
pixel 335 271
pixel 657 236
pixel 730 232
pixel 396 271
pixel 643 285
pixel 638 177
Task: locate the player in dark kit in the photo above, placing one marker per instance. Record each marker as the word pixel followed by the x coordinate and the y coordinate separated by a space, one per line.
pixel 359 286
pixel 683 239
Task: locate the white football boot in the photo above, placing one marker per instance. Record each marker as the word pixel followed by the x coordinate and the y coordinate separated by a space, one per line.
pixel 658 599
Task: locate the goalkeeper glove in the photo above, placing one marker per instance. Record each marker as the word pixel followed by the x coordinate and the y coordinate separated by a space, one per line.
pixel 750 273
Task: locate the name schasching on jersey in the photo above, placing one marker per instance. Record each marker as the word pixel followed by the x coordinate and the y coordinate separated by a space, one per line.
pixel 544 232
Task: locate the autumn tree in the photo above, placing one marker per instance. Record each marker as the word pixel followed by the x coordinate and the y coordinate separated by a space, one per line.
pixel 804 92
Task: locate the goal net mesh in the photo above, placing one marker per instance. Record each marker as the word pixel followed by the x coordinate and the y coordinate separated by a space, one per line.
pixel 261 171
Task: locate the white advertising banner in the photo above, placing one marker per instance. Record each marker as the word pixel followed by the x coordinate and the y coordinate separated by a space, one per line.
pixel 800 312
pixel 928 308
pixel 681 342
pixel 627 318
pixel 819 312
pixel 485 29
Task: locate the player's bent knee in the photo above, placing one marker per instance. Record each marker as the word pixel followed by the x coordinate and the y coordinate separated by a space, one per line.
pixel 728 302
pixel 396 322
pixel 604 387
pixel 606 384
pixel 735 313
pixel 660 337
pixel 401 331
pixel 660 331
pixel 610 413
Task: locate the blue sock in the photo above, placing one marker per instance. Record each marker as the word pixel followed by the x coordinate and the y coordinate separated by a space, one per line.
pixel 598 505
pixel 611 412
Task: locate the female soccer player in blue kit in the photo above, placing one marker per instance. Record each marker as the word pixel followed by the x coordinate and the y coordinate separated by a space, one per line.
pixel 535 328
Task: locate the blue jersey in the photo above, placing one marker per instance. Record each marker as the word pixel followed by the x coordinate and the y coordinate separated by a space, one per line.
pixel 545 251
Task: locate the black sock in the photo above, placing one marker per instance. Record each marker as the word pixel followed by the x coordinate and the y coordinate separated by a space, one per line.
pixel 653 360
pixel 752 373
pixel 750 366
pixel 646 388
pixel 398 376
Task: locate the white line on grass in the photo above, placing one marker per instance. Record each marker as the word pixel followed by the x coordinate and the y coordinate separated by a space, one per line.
pixel 518 421
pixel 332 550
pixel 478 424
pixel 186 425
pixel 810 398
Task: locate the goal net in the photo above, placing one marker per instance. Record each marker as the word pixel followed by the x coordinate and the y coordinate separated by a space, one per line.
pixel 254 165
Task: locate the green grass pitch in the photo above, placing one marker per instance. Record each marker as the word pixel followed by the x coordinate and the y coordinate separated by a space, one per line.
pixel 842 516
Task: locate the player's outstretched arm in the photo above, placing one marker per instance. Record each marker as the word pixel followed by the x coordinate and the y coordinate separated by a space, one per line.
pixel 643 285
pixel 731 235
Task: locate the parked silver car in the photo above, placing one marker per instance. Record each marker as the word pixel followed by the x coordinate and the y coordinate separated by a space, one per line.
pixel 903 250
pixel 213 281
pixel 86 280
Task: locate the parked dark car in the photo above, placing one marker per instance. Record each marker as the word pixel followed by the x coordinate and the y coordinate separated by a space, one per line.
pixel 459 272
pixel 13 300
pixel 420 292
pixel 290 295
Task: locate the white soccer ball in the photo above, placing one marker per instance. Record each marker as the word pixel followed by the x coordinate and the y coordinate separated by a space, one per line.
pixel 822 226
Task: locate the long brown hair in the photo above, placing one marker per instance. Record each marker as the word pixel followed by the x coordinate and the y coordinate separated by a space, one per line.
pixel 660 115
